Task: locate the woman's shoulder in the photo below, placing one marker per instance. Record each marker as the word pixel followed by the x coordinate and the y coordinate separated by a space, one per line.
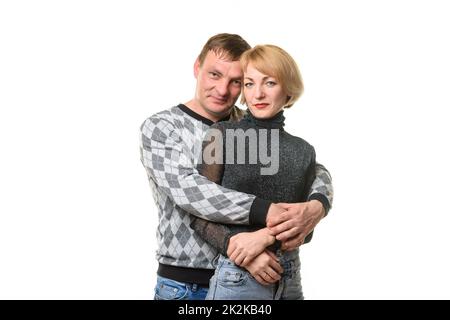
pixel 300 142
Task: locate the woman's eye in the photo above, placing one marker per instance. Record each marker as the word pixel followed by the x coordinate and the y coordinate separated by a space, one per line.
pixel 248 84
pixel 271 83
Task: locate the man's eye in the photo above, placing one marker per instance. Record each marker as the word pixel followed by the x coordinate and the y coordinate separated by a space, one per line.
pixel 214 75
pixel 237 82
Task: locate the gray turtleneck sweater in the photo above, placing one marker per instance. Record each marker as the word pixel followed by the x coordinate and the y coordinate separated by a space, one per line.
pixel 292 163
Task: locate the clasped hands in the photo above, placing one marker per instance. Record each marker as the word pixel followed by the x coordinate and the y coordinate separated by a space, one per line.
pixel 289 223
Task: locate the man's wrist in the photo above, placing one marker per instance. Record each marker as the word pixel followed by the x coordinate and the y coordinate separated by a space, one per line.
pixel 317 206
pixel 322 199
pixel 259 211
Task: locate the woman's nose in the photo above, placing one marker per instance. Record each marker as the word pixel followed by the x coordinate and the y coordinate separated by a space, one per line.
pixel 259 92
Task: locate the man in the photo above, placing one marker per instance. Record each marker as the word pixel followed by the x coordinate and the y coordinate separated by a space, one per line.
pixel 169 148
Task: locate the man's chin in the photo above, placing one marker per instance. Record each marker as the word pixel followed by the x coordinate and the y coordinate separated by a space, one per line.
pixel 220 109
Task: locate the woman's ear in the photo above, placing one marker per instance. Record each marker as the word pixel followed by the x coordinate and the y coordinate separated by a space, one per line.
pixel 288 102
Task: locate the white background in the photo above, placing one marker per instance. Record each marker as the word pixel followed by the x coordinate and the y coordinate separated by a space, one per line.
pixel 77 79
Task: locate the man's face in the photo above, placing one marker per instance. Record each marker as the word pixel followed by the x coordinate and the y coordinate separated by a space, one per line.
pixel 218 84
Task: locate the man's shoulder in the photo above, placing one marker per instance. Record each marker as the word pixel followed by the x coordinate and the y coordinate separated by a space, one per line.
pixel 234 122
pixel 165 117
pixel 222 125
pixel 166 114
pixel 237 114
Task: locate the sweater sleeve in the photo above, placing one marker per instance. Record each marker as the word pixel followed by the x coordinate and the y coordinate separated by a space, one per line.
pixel 311 177
pixel 217 235
pixel 322 187
pixel 169 162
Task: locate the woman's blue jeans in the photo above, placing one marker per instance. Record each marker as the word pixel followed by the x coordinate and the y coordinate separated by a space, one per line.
pixel 231 282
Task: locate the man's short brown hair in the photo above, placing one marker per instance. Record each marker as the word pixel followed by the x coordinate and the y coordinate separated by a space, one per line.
pixel 226 45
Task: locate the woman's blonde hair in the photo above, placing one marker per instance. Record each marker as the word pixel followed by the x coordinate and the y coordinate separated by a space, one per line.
pixel 275 62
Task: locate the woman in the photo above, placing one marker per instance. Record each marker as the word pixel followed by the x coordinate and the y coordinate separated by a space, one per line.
pixel 272 82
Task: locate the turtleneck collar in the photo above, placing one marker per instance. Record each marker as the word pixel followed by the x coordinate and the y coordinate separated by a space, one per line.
pixel 276 122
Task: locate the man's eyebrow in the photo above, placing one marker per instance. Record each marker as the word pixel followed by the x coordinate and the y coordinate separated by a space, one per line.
pixel 217 71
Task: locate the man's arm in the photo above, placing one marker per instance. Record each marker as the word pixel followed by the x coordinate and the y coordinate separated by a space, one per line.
pixel 169 163
pixel 322 188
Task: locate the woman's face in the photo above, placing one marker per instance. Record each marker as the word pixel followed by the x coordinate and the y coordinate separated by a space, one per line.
pixel 263 93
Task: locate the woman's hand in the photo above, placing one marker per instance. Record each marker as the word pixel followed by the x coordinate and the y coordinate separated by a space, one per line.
pixel 265 268
pixel 245 246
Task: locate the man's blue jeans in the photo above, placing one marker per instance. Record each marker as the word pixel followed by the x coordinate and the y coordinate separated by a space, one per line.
pixel 167 289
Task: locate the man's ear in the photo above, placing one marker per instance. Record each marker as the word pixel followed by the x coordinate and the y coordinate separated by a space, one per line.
pixel 196 68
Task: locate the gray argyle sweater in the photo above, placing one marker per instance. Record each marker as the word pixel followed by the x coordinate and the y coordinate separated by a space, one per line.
pixel 171 142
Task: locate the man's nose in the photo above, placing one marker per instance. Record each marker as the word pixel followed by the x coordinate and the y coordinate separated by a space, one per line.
pixel 222 88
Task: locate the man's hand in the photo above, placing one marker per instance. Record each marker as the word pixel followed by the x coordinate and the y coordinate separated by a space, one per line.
pixel 292 226
pixel 245 246
pixel 274 211
pixel 265 268
pixel 293 243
